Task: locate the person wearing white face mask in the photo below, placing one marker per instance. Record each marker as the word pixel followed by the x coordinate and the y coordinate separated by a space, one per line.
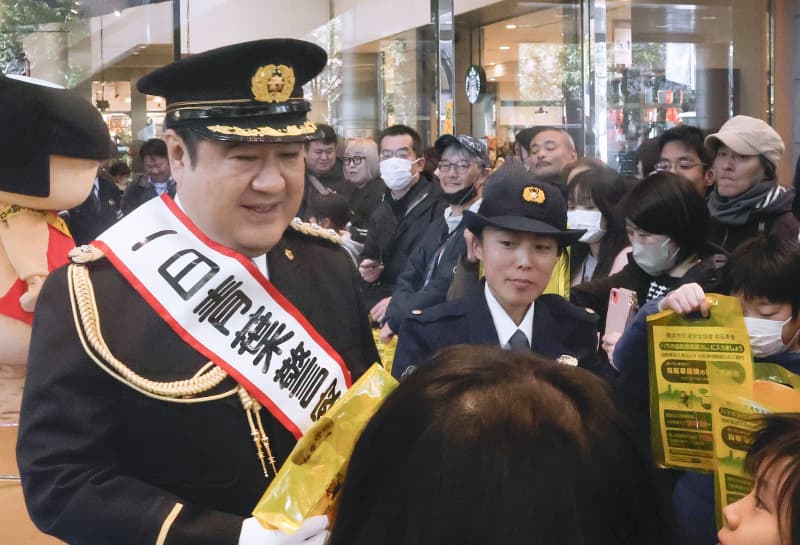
pixel 762 273
pixel 667 222
pixel 463 167
pixel 594 197
pixel 410 204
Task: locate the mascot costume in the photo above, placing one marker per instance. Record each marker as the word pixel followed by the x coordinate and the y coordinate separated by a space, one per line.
pixel 50 145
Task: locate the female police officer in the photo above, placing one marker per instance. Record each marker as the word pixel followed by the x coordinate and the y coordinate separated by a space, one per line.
pixel 519 232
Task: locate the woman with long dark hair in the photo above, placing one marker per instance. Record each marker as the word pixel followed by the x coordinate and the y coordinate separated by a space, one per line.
pixel 594 198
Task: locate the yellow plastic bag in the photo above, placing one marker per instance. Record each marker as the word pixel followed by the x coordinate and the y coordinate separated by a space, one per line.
pixel 385 350
pixel 683 354
pixel 309 480
pixel 560 277
pixel 734 419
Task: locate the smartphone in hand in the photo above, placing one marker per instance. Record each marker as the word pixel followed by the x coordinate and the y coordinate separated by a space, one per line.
pixel 622 306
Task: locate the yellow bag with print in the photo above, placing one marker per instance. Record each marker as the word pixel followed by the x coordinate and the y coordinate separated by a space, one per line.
pixel 735 412
pixel 684 353
pixel 310 478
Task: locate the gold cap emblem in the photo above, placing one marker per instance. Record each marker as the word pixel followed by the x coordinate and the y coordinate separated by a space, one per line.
pixel 273 83
pixel 533 194
pixel 289 254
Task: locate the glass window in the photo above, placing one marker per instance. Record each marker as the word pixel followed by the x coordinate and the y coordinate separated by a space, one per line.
pixel 663 64
pixel 533 65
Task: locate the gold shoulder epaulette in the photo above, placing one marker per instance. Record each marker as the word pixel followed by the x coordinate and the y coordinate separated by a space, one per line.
pixel 314 230
pixel 85 254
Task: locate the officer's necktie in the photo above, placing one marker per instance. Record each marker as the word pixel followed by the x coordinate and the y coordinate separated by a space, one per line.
pixel 519 341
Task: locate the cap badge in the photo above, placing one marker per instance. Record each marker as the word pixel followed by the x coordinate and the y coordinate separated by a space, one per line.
pixel 273 83
pixel 289 254
pixel 533 194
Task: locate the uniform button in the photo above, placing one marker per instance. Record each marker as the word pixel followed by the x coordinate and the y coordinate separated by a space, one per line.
pixel 416 312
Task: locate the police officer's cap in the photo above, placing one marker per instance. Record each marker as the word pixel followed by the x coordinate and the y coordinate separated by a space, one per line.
pixel 246 92
pixel 514 200
pixel 39 121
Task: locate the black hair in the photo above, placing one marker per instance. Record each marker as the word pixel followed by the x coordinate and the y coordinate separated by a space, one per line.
pixel 331 206
pixel 690 137
pixel 397 130
pixel 190 139
pixel 587 162
pixel 328 135
pixel 778 442
pixel 524 137
pixel 432 158
pixel 666 204
pixel 119 168
pixel 766 265
pixel 606 189
pixel 648 153
pixel 487 446
pixel 769 168
pixel 154 147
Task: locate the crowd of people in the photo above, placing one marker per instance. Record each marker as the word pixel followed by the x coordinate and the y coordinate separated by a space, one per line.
pixel 132 428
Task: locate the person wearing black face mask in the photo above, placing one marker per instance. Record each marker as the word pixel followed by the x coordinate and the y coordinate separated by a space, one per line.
pixel 463 168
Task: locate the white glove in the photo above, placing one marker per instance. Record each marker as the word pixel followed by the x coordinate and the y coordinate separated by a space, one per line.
pixel 314 531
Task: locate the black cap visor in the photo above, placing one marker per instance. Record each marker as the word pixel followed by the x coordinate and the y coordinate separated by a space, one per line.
pixel 520 223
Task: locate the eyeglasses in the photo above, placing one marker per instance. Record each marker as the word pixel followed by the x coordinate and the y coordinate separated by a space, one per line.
pixel 681 164
pixel 461 168
pixel 354 160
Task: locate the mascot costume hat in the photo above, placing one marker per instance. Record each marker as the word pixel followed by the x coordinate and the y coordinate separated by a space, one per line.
pixel 50 145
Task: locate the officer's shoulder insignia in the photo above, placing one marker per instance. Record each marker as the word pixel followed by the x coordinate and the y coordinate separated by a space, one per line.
pixel 534 194
pixel 315 231
pixel 85 254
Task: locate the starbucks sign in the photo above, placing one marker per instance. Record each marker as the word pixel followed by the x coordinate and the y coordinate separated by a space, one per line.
pixel 475 83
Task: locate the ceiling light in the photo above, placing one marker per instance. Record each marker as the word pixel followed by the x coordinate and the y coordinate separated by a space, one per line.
pixel 511 27
pixel 504 47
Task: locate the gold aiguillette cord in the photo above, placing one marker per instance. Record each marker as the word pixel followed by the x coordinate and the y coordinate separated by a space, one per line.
pixel 253 411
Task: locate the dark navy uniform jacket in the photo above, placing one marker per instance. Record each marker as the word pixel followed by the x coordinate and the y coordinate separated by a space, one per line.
pixel 559 329
pixel 102 463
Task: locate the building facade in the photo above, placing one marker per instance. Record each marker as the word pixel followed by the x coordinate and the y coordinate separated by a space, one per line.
pixel 612 72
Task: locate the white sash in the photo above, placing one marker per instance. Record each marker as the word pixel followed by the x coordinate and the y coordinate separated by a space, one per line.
pixel 219 303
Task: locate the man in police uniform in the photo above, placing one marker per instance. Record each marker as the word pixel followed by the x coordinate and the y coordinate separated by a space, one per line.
pixel 128 435
pixel 519 232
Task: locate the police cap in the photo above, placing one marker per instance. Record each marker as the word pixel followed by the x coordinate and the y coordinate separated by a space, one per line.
pixel 514 200
pixel 39 121
pixel 246 92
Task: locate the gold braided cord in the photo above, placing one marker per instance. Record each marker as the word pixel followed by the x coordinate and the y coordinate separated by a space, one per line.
pixel 87 325
pixel 252 408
